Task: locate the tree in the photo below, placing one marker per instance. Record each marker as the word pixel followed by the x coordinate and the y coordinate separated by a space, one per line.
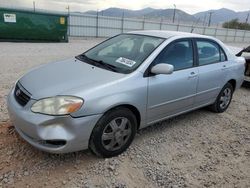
pixel 235 24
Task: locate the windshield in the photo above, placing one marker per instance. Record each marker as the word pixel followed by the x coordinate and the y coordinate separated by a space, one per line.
pixel 123 53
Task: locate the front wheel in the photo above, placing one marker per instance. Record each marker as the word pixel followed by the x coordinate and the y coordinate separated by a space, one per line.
pixel 224 99
pixel 113 133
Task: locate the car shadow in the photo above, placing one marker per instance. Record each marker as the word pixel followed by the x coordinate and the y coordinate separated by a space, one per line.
pixel 154 129
pixel 34 160
pixel 246 84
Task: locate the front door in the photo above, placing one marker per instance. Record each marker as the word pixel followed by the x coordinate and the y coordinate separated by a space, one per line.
pixel 172 94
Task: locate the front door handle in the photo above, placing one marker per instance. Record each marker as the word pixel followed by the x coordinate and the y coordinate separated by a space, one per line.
pixel 192 75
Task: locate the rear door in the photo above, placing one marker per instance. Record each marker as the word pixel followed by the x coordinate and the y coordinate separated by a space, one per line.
pixel 212 68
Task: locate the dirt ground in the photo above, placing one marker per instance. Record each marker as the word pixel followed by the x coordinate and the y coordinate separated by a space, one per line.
pixel 198 149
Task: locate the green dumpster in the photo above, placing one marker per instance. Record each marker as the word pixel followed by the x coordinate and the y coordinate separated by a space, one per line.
pixel 19 25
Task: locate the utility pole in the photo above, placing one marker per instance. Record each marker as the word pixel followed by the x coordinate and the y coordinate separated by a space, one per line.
pixel 122 21
pixel 210 18
pixel 123 13
pixel 68 9
pixel 34 6
pixel 174 13
pixel 205 18
pixel 97 23
pixel 68 19
pixel 247 18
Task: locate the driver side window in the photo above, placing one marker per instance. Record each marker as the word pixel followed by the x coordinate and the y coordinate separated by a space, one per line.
pixel 124 46
pixel 179 54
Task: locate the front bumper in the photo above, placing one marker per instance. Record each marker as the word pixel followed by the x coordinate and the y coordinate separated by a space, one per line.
pixel 54 134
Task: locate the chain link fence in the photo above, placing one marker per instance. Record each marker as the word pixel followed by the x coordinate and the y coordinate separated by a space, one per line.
pixel 84 25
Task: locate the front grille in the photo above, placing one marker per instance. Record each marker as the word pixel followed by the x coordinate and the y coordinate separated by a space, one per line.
pixel 21 95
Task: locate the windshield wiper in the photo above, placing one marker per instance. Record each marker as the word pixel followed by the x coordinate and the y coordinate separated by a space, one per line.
pixel 106 65
pixel 98 63
pixel 82 57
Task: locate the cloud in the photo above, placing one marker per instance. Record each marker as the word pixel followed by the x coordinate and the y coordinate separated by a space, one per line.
pixel 191 6
pixel 241 5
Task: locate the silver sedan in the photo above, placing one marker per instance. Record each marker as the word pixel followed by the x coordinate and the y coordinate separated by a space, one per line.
pixel 100 98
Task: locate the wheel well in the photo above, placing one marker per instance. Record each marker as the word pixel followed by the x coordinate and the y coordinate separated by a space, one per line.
pixel 133 109
pixel 233 82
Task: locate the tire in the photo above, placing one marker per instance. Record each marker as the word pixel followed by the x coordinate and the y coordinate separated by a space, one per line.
pixel 220 104
pixel 113 133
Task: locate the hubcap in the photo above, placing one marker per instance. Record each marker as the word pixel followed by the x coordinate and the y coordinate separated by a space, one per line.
pixel 116 133
pixel 225 98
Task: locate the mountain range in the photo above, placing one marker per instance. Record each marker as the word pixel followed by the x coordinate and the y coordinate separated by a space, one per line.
pixel 217 16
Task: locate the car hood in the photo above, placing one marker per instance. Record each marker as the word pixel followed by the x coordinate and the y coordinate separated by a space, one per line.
pixel 62 77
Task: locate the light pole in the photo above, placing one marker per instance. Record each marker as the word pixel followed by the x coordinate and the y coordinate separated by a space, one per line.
pixel 174 13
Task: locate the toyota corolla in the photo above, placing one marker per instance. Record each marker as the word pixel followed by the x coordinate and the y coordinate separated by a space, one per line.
pixel 100 98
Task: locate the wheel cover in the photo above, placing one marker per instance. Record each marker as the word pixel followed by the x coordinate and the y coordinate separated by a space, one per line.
pixel 225 98
pixel 116 133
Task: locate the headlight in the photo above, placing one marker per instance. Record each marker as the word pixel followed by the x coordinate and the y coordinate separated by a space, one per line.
pixel 59 105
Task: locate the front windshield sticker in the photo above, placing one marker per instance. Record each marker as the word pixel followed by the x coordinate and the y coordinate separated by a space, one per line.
pixel 125 61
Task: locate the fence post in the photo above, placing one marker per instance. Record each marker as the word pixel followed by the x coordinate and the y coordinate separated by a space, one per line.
pixel 69 24
pixel 178 26
pixel 122 22
pixel 226 36
pixel 161 23
pixel 204 29
pixel 143 23
pixel 97 23
pixel 244 36
pixel 235 34
pixel 215 33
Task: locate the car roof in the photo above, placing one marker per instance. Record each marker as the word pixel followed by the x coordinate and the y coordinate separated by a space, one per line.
pixel 168 34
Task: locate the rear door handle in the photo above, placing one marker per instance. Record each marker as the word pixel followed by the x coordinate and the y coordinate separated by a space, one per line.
pixel 224 67
pixel 192 75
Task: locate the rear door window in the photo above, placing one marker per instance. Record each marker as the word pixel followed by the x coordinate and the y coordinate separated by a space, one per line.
pixel 209 52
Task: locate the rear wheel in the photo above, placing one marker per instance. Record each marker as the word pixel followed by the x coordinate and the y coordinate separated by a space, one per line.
pixel 224 99
pixel 113 133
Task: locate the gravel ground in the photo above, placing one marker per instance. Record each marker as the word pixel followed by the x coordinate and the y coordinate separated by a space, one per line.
pixel 198 149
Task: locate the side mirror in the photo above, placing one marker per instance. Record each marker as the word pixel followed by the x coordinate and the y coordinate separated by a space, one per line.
pixel 162 68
